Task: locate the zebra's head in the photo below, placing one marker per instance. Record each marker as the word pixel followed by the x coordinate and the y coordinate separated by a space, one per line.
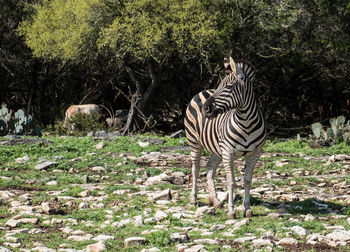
pixel 233 92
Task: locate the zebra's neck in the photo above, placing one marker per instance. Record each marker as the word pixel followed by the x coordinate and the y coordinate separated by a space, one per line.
pixel 249 115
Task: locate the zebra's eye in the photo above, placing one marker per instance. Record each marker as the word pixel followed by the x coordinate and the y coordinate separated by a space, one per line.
pixel 240 76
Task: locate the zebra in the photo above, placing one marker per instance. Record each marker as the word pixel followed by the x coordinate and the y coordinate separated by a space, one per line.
pixel 229 124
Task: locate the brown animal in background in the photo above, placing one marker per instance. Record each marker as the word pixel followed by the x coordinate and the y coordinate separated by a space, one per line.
pixel 88 109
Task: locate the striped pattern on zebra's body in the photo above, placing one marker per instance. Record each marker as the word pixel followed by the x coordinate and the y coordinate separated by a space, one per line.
pixel 227 122
pixel 227 130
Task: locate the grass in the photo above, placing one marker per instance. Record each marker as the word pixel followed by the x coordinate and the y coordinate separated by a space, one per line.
pixel 76 156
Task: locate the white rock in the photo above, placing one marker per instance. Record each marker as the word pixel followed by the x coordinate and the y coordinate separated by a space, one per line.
pixel 163 195
pixel 339 235
pixel 52 183
pixel 138 222
pixel 103 237
pixel 298 230
pixel 154 249
pixel 84 205
pixel 177 237
pixel 22 160
pixel 43 249
pixel 258 243
pixel 98 169
pixel 150 220
pixel 3 249
pixel 241 223
pixel 45 165
pixel 134 241
pixel 206 241
pixel 202 210
pixel 100 145
pixel 160 215
pixel 143 144
pixel 160 179
pixel 287 241
pixel 245 239
pixel 196 248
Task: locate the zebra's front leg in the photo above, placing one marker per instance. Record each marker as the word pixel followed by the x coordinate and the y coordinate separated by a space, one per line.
pixel 227 159
pixel 248 177
pixel 195 157
pixel 211 166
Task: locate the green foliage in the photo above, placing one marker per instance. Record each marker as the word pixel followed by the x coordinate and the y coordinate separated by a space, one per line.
pixel 337 133
pixel 81 124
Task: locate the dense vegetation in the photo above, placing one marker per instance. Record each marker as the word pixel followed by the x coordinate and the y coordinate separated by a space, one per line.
pixel 138 54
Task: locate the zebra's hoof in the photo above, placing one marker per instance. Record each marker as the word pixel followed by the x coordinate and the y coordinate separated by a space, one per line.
pixel 248 213
pixel 231 215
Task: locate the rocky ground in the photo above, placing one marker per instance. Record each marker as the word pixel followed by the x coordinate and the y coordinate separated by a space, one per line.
pixel 281 210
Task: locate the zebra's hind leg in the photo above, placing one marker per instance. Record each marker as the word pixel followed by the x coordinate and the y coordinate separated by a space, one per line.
pixel 211 171
pixel 196 154
pixel 250 163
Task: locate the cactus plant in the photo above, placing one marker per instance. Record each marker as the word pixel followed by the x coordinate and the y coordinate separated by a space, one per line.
pixel 338 132
pixel 14 124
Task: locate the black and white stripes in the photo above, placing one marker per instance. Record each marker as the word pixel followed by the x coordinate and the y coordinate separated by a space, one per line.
pixel 228 123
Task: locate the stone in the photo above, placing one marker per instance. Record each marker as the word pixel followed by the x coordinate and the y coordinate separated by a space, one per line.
pixel 51 183
pixel 205 209
pixel 241 223
pixel 83 205
pixel 103 237
pixel 242 240
pixel 143 144
pixel 196 248
pixel 134 241
pixel 177 237
pixel 43 249
pixel 100 145
pixel 163 195
pixel 138 222
pixel 154 249
pixel 300 231
pixel 339 235
pixel 96 247
pixel 3 249
pixel 45 165
pixel 178 178
pixel 160 215
pixel 206 241
pixel 222 196
pixel 160 179
pixel 51 207
pixel 288 242
pixel 98 169
pixel 217 227
pixel 178 134
pixel 79 238
pixel 22 160
pixel 258 243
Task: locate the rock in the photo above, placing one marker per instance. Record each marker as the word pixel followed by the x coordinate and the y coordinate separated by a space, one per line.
pixel 241 223
pixel 83 205
pixel 98 169
pixel 300 231
pixel 160 215
pixel 150 220
pixel 52 207
pixel 43 249
pixel 100 145
pixel 143 144
pixel 15 223
pixel 22 160
pixel 202 210
pixel 177 178
pixel 339 235
pixel 154 249
pixel 206 241
pixel 196 248
pixel 222 196
pixel 258 243
pixel 45 165
pixel 217 227
pixel 138 222
pixel 242 240
pixel 160 179
pixel 103 237
pixel 52 183
pixel 134 241
pixel 309 217
pixel 79 238
pixel 3 249
pixel 287 242
pixel 163 195
pixel 177 237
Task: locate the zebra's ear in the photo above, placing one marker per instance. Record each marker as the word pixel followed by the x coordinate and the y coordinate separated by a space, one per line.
pixel 236 70
pixel 233 65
